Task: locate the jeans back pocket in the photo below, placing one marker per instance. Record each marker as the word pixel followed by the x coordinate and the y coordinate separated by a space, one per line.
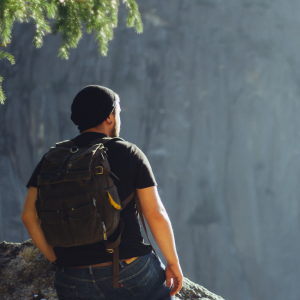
pixel 65 290
pixel 139 281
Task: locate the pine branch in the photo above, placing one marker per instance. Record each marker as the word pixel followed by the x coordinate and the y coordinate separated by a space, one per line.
pixel 7 56
pixel 70 16
pixel 2 95
pixel 37 11
pixel 134 17
pixel 69 24
pixel 12 61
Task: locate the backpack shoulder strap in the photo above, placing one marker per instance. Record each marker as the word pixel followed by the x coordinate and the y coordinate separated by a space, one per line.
pixel 70 143
pixel 127 200
pixel 105 140
pixel 66 144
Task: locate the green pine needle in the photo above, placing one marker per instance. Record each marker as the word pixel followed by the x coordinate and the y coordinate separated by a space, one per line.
pixel 7 56
pixel 70 16
pixel 2 95
pixel 12 61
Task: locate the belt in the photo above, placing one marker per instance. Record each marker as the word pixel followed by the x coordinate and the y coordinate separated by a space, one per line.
pixel 105 264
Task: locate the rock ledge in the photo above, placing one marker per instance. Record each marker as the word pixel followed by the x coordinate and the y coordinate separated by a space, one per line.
pixel 24 271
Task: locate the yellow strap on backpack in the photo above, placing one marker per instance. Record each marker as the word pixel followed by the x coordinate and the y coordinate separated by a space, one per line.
pixel 113 203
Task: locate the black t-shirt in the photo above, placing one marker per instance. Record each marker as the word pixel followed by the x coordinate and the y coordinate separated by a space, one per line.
pixel 132 167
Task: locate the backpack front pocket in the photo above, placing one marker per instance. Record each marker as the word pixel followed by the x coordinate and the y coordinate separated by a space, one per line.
pixel 70 221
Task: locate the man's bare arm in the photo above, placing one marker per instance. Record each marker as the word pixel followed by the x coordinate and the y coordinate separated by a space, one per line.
pixel 161 229
pixel 33 226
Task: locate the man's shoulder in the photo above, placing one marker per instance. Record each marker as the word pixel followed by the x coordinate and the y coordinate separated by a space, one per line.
pixel 120 143
pixel 125 146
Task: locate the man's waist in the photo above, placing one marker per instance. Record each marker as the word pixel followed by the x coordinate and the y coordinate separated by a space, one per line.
pixel 105 264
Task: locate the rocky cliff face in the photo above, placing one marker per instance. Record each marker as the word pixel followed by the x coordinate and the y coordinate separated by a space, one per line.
pixel 210 92
pixel 25 272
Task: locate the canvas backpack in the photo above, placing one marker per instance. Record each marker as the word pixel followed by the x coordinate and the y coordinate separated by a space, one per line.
pixel 78 203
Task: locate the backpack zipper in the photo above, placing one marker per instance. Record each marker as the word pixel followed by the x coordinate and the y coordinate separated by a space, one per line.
pixel 104 231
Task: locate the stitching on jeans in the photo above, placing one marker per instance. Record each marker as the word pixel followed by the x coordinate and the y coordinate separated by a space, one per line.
pixel 66 286
pixel 104 278
pixel 101 268
pixel 95 284
pixel 132 264
pixel 145 285
pixel 76 278
pixel 97 288
pixel 144 267
pixel 154 269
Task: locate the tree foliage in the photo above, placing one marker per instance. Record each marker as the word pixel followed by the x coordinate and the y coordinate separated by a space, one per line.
pixel 70 17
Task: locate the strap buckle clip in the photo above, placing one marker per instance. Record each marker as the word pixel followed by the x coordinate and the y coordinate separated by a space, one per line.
pixel 100 170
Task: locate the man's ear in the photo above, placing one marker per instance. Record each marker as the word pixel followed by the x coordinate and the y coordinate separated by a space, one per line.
pixel 108 120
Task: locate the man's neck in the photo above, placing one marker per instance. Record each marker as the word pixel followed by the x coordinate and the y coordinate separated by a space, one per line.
pixel 98 130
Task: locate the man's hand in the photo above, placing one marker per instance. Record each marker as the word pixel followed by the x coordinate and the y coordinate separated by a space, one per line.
pixel 174 272
pixel 33 225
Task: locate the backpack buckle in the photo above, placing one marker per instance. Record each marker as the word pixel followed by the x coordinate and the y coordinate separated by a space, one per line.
pixel 100 170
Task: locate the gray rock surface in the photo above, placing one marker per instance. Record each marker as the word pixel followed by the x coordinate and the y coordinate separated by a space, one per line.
pixel 24 271
pixel 210 92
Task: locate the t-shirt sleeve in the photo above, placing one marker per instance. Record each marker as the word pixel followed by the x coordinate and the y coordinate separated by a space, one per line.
pixel 141 170
pixel 33 179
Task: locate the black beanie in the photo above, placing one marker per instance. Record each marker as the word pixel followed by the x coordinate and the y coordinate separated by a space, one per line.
pixel 91 106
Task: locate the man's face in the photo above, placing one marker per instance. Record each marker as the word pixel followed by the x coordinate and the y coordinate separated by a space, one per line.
pixel 117 124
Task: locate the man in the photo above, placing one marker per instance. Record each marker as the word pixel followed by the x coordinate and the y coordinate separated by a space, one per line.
pixel 85 272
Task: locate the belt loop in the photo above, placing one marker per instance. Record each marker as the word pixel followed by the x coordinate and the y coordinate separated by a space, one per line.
pixel 90 268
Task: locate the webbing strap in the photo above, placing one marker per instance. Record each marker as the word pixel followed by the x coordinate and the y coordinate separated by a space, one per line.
pixel 70 143
pixel 127 200
pixel 140 211
pixel 114 245
pixel 116 267
pixel 106 167
pixel 98 170
pixel 66 144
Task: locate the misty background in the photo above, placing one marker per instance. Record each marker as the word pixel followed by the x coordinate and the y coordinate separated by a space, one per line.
pixel 210 92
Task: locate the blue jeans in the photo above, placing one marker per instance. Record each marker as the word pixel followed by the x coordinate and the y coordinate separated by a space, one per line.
pixel 143 279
